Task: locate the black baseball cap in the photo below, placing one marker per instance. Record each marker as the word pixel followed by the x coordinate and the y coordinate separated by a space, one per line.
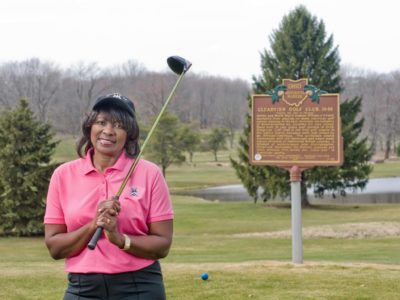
pixel 115 100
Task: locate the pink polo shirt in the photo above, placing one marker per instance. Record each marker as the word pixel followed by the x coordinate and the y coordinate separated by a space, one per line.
pixel 75 189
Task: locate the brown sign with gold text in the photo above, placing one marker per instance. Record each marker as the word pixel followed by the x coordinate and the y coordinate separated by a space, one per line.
pixel 296 124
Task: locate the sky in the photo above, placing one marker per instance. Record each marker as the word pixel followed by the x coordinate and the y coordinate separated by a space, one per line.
pixel 220 37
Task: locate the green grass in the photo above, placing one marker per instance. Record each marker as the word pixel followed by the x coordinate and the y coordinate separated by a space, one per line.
pixel 250 267
pixel 200 176
pixel 239 267
pixel 207 228
pixel 65 150
pixel 387 169
pixel 282 281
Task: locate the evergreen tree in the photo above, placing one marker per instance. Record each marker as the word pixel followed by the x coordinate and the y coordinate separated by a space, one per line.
pixel 301 49
pixel 354 172
pixel 26 147
pixel 165 146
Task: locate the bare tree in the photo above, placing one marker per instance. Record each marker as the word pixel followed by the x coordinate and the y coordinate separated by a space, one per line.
pixel 381 105
pixel 87 78
pixel 151 93
pixel 87 81
pixel 391 109
pixel 232 106
pixel 32 79
pixel 205 100
pixel 8 92
pixel 124 77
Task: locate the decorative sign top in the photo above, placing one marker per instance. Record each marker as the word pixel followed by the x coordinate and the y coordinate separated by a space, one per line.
pixel 295 92
pixel 296 124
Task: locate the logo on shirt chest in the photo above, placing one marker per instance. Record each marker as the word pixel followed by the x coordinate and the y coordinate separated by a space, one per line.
pixel 134 191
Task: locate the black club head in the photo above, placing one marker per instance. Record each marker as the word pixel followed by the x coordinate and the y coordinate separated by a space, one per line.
pixel 178 64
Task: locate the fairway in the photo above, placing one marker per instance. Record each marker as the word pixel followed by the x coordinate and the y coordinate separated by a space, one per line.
pixel 278 280
pixel 235 244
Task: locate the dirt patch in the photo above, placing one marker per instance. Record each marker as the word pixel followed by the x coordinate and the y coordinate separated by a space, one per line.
pixel 338 231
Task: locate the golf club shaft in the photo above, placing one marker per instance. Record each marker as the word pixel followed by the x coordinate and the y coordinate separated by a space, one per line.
pixel 123 184
pixel 93 242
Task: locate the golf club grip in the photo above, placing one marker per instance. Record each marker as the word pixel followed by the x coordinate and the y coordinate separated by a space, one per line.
pixel 93 242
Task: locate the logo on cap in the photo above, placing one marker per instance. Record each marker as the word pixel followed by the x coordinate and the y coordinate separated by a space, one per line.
pixel 116 95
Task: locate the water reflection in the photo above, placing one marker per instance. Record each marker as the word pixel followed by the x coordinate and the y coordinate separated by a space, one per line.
pixel 379 190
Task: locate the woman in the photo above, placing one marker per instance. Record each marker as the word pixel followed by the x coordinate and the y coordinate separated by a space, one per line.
pixel 137 228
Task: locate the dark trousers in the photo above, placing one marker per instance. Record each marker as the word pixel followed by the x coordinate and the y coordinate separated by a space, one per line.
pixel 144 284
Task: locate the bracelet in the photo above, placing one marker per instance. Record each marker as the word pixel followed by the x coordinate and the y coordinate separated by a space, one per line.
pixel 127 243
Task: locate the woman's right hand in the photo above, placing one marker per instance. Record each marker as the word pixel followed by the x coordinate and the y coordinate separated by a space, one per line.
pixel 107 218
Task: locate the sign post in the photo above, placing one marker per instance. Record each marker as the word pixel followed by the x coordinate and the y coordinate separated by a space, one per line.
pixel 296 126
pixel 295 190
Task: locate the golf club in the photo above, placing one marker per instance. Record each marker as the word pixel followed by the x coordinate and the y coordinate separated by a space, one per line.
pixel 179 66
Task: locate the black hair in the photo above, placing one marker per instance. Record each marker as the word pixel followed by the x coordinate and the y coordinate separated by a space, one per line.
pixel 129 124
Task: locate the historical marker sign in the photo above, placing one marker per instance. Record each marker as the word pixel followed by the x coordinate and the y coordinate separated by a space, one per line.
pixel 296 124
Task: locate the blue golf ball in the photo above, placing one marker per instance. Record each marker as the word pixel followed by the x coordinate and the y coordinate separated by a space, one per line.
pixel 204 276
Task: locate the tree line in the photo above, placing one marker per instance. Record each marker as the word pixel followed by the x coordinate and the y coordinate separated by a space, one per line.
pixel 61 97
pixel 172 140
pixel 381 106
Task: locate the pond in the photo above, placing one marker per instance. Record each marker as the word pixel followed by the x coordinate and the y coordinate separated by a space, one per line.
pixel 378 190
